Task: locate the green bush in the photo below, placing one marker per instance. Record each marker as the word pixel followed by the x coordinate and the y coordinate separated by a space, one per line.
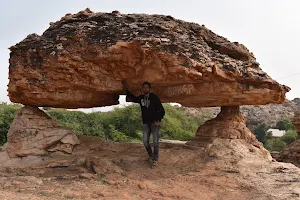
pixel 285 124
pixel 116 135
pixel 277 145
pixel 289 137
pixel 7 114
pixel 121 124
pixel 176 125
pixel 126 120
pixel 77 120
pixel 125 124
pixel 261 132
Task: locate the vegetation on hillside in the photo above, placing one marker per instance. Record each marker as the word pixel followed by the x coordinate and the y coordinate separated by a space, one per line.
pixel 121 124
pixel 7 114
pixel 124 124
pixel 276 144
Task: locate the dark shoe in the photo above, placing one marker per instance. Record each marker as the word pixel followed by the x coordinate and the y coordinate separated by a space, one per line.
pixel 149 159
pixel 154 163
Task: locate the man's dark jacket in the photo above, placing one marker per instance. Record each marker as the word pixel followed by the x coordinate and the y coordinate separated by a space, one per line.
pixel 152 109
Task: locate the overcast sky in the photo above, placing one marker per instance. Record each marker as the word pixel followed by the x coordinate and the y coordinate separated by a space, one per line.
pixel 269 28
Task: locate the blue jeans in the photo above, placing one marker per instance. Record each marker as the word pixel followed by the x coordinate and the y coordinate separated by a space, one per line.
pixel 147 129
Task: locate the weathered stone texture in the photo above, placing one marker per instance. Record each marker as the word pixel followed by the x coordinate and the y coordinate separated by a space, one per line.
pixel 229 124
pixel 33 132
pixel 81 60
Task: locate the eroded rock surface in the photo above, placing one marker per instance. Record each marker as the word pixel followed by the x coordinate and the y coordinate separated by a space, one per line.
pixel 227 169
pixel 81 60
pixel 34 133
pixel 229 124
pixel 291 153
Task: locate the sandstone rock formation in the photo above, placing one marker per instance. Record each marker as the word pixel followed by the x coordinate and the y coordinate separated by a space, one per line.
pixel 228 169
pixel 81 60
pixel 291 153
pixel 34 133
pixel 229 124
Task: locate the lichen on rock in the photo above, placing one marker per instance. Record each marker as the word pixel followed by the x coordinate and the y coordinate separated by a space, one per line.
pixel 81 60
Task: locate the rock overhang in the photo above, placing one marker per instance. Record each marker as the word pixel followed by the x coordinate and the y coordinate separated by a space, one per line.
pixel 81 61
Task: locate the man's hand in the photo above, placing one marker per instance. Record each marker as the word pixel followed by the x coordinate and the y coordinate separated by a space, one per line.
pixel 156 123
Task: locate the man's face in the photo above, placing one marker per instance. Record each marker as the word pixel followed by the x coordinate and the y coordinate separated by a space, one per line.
pixel 146 89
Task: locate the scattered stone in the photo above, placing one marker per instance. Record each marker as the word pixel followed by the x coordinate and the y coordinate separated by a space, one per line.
pixel 28 180
pixel 87 176
pixel 142 186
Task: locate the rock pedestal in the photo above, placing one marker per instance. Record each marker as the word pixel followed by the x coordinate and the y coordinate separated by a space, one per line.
pixel 34 133
pixel 229 124
pixel 82 60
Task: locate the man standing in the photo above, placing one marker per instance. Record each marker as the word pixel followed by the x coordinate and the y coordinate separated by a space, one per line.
pixel 152 114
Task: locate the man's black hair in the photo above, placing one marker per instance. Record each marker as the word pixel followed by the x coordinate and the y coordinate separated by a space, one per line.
pixel 146 83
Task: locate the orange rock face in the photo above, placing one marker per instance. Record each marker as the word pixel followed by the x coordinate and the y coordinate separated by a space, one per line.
pixel 81 60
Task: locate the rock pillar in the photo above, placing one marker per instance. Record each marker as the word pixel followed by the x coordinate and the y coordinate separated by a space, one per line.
pixel 229 124
pixel 33 132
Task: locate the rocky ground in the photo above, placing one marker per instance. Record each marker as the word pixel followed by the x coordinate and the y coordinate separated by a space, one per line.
pixel 225 169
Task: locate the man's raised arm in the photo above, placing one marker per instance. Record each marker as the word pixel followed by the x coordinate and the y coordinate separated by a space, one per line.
pixel 129 94
pixel 132 97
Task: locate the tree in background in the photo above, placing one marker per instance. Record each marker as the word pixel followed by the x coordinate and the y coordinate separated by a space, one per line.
pixel 289 137
pixel 125 124
pixel 285 124
pixel 178 126
pixel 79 121
pixel 261 132
pixel 7 115
pixel 277 145
pixel 121 124
pixel 121 121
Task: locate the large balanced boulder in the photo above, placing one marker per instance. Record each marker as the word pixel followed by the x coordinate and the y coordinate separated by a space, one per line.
pixel 81 61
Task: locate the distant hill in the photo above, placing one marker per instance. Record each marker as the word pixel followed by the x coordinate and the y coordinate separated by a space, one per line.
pixel 255 115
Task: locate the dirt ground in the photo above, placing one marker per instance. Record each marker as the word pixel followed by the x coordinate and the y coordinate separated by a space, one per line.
pixel 227 169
